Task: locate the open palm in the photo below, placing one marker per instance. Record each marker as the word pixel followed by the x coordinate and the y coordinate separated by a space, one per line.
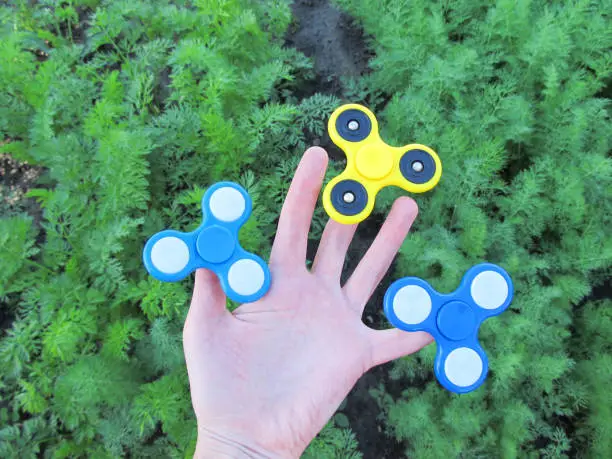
pixel 266 378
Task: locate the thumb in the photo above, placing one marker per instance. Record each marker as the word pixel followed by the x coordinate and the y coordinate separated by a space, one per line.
pixel 387 345
pixel 207 302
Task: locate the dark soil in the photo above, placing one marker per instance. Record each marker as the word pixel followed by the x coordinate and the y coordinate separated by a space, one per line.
pixel 331 38
pixel 365 418
pixel 362 410
pixel 16 179
pixel 338 50
pixel 600 292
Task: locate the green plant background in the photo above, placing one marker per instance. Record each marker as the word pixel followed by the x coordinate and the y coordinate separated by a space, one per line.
pixel 130 109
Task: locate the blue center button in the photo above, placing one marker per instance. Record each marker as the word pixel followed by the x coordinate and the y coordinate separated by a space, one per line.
pixel 215 244
pixel 456 320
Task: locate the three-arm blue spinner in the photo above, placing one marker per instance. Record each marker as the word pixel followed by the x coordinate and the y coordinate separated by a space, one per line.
pixel 453 320
pixel 171 255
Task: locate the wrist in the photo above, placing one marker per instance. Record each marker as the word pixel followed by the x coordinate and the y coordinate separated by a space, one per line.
pixel 211 445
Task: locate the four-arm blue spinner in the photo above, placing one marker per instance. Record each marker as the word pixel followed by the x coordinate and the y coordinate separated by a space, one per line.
pixel 453 320
pixel 171 255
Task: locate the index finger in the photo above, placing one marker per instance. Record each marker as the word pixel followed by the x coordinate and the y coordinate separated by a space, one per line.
pixel 294 222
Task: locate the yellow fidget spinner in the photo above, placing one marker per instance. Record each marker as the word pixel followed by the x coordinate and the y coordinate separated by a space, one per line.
pixel 371 165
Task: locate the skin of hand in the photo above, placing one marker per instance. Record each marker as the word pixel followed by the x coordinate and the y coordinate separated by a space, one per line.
pixel 267 377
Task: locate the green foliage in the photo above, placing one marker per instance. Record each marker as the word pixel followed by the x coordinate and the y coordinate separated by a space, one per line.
pixel 510 95
pixel 333 442
pixel 16 249
pixel 593 353
pixel 131 109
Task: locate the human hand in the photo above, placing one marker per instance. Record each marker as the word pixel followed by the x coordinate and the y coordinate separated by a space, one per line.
pixel 266 378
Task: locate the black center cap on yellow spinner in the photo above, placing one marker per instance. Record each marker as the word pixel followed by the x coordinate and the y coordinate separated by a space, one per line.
pixel 353 125
pixel 349 197
pixel 417 166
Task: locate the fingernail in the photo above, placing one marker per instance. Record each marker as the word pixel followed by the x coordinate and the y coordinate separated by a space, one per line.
pixel 317 151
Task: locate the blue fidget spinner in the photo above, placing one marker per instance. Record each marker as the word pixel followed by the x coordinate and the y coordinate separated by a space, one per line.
pixel 453 320
pixel 170 255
